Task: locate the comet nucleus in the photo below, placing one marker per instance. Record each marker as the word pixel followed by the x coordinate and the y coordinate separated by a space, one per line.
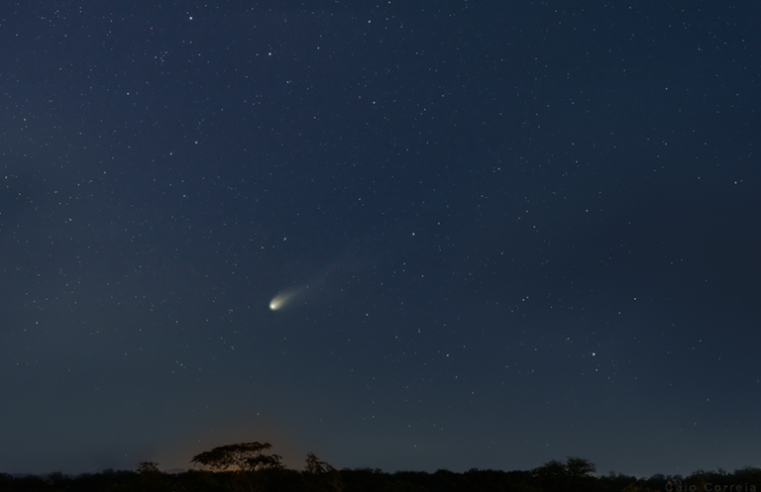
pixel 275 303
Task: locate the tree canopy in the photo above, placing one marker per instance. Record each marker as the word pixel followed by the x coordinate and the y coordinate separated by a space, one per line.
pixel 245 456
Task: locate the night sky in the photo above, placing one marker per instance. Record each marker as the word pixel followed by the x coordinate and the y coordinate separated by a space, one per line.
pixel 501 232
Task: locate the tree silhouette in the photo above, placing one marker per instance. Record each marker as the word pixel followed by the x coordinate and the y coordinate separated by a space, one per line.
pixel 150 478
pixel 579 467
pixel 314 465
pixel 574 474
pixel 241 457
pixel 148 467
pixel 321 476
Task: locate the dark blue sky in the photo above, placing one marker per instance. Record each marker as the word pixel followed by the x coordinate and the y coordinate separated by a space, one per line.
pixel 510 232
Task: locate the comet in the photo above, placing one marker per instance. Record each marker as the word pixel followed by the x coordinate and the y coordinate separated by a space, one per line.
pixel 281 300
pixel 305 291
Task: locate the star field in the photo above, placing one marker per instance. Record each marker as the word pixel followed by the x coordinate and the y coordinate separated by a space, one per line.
pixel 410 237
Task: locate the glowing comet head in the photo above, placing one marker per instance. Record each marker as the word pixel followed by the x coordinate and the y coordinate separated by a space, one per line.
pixel 282 299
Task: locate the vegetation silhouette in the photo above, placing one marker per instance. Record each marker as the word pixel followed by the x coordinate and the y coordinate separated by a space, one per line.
pixel 249 467
pixel 243 457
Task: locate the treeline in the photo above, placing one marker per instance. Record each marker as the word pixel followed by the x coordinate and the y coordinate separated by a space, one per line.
pixel 246 467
